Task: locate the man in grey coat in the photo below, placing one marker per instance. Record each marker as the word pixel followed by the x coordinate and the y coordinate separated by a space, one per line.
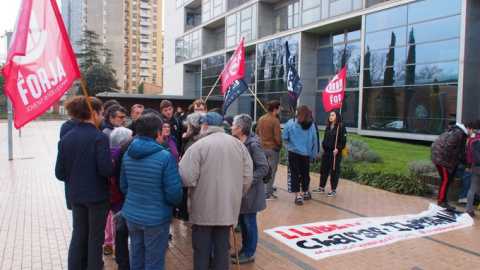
pixel 218 171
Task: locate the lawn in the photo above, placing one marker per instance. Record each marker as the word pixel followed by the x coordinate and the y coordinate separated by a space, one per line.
pixel 395 155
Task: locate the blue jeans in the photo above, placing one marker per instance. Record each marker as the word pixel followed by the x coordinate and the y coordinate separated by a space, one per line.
pixel 248 222
pixel 148 245
pixel 466 181
pixel 89 222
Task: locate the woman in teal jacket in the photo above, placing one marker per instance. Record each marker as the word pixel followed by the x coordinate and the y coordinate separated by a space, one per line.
pixel 152 185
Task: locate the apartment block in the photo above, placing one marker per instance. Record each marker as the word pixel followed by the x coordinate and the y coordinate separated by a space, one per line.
pixel 131 29
pixel 413 66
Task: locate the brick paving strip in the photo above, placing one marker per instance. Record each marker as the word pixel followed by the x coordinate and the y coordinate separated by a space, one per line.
pixel 35 226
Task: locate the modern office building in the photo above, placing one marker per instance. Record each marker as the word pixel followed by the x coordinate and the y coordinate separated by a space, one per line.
pixel 130 29
pixel 413 65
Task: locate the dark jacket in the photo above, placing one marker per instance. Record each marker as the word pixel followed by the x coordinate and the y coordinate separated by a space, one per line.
pixel 328 142
pixel 150 181
pixel 107 128
pixel 133 128
pixel 254 200
pixel 84 162
pixel 448 148
pixel 67 126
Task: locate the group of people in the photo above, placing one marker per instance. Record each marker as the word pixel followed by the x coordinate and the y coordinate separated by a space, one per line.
pixel 447 152
pixel 127 182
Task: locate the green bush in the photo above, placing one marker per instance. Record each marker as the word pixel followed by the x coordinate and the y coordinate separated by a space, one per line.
pixel 358 151
pixel 398 183
pixel 417 168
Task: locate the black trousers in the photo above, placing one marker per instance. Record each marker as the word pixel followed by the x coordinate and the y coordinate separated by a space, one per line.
pixel 121 244
pixel 88 229
pixel 202 239
pixel 300 169
pixel 446 180
pixel 326 168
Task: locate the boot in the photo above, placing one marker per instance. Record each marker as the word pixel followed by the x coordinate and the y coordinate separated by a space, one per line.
pixel 445 205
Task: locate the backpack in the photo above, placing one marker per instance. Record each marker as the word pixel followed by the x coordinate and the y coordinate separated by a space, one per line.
pixel 344 151
pixel 267 177
pixel 115 193
pixel 475 148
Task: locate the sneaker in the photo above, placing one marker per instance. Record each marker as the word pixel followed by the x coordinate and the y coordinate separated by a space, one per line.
pixel 238 228
pixel 470 213
pixel 463 200
pixel 307 196
pixel 331 193
pixel 114 255
pixel 240 252
pixel 242 259
pixel 318 191
pixel 298 200
pixel 271 197
pixel 107 250
pixel 446 206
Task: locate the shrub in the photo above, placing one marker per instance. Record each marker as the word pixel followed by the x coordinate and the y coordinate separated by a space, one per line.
pixel 358 151
pixel 417 168
pixel 347 172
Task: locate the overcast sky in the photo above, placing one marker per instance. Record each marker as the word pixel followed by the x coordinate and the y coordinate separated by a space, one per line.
pixel 8 17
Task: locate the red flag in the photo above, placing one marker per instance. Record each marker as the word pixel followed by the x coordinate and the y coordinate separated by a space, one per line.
pixel 334 91
pixel 235 68
pixel 41 64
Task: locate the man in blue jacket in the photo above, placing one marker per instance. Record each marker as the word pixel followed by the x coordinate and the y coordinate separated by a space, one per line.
pixel 151 183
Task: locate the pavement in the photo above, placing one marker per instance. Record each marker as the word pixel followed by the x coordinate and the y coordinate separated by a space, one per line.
pixel 35 225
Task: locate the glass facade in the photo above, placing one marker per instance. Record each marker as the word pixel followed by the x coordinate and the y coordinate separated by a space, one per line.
pixel 411 67
pixel 335 50
pixel 212 67
pixel 271 75
pixel 188 46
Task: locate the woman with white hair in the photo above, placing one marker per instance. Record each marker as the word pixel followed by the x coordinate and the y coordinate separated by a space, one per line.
pixel 118 137
pixel 254 201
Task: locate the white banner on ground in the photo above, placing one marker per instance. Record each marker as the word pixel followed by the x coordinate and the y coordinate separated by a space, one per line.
pixel 324 239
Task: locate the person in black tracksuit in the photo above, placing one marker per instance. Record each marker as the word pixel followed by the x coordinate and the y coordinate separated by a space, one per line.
pixel 332 152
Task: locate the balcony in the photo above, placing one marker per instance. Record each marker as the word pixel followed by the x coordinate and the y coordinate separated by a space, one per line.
pixel 145 49
pixel 145 6
pixel 145 15
pixel 145 23
pixel 144 65
pixel 145 40
pixel 145 74
pixel 145 56
pixel 145 32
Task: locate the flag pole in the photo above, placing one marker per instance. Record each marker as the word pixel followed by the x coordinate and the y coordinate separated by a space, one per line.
pixel 336 141
pixel 257 98
pixel 88 103
pixel 211 90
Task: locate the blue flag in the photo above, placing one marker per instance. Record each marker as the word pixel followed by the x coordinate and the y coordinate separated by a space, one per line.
pixel 294 85
pixel 233 92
